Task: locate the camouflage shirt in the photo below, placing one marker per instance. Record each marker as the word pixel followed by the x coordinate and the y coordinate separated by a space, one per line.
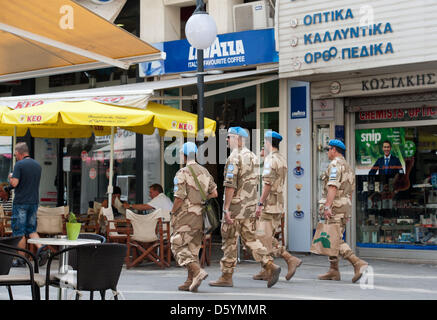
pixel 340 175
pixel 189 215
pixel 241 174
pixel 274 174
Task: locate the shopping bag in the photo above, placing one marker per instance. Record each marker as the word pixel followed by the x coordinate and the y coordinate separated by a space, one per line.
pixel 326 240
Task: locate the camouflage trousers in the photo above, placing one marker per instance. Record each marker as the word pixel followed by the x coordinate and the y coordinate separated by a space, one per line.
pixel 245 228
pixel 186 245
pixel 340 219
pixel 265 232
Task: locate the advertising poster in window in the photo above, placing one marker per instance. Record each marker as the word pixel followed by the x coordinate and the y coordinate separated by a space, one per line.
pixel 382 151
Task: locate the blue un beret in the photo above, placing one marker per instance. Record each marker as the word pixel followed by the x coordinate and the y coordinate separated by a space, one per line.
pixel 337 143
pixel 238 131
pixel 189 147
pixel 272 134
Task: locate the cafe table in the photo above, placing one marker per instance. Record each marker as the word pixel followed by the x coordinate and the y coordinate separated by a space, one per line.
pixel 63 243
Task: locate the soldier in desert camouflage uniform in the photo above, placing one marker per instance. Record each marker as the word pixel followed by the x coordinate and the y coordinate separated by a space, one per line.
pixel 241 182
pixel 271 204
pixel 335 206
pixel 187 218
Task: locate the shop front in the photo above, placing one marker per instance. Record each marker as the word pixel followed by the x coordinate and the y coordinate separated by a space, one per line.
pixel 391 134
pixel 372 83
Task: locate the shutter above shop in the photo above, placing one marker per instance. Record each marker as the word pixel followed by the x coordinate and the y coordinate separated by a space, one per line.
pixel 40 38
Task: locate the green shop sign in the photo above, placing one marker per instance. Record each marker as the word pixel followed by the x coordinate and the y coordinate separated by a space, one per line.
pixel 369 142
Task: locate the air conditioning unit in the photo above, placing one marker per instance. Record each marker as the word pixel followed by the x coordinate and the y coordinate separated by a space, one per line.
pixel 252 16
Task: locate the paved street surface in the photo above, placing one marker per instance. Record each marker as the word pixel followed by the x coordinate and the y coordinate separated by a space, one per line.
pixel 391 281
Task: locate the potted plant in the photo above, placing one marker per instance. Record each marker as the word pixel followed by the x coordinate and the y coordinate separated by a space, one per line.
pixel 73 227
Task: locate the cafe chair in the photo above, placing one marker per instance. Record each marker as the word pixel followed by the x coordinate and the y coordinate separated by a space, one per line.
pixel 150 238
pixel 98 269
pixel 205 253
pixel 5 226
pixel 116 230
pixel 5 223
pixel 50 221
pixel 72 257
pixel 90 222
pixel 279 232
pixel 8 251
pixel 96 207
pixel 92 236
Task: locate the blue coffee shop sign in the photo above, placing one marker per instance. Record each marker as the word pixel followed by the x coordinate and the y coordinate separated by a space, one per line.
pixel 229 50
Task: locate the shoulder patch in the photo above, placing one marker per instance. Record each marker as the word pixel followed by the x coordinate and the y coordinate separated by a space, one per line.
pixel 230 168
pixel 333 174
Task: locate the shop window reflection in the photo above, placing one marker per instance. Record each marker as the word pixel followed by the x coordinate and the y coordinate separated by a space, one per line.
pixel 399 207
pixel 89 176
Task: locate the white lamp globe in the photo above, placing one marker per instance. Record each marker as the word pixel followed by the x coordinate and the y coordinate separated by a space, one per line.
pixel 201 30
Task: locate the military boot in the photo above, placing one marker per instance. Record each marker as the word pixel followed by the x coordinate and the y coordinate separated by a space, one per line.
pixel 273 272
pixel 262 275
pixel 292 262
pixel 198 275
pixel 333 272
pixel 359 266
pixel 186 285
pixel 225 280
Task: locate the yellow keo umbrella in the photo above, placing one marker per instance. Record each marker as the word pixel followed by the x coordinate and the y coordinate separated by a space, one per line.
pixel 77 120
pixel 8 130
pixel 81 119
pixel 168 119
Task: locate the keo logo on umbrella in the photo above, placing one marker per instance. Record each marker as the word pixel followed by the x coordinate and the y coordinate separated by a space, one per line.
pixel 33 118
pixel 182 126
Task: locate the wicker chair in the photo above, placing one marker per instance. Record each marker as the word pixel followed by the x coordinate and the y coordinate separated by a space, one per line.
pixel 72 256
pixel 8 251
pixel 98 269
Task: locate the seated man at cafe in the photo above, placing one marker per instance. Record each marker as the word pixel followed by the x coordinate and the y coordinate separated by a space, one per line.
pixel 159 201
pixel 117 205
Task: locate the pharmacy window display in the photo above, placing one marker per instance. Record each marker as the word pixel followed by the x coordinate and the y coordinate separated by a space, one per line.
pixel 396 182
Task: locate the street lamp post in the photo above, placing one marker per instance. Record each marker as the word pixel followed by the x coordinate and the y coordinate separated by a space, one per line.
pixel 201 32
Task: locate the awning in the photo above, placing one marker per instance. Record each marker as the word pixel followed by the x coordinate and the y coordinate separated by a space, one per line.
pixel 39 38
pixel 136 94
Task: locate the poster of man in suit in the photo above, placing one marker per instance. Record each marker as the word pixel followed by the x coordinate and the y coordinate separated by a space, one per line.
pixel 388 164
pixel 380 151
